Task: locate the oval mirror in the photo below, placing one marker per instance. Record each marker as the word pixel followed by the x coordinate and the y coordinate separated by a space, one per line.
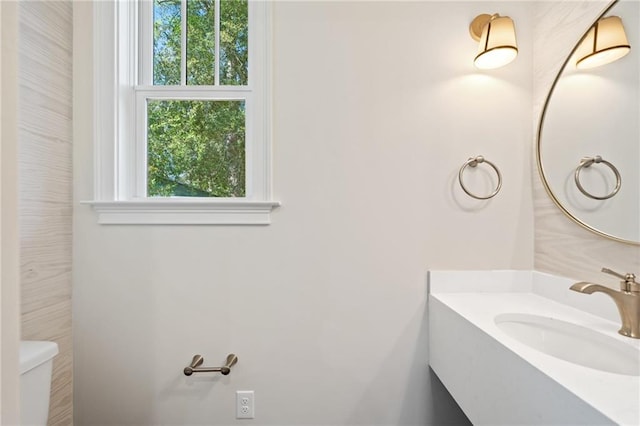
pixel 588 147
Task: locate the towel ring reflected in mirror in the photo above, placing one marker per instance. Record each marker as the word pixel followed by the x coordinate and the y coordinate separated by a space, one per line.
pixel 473 162
pixel 588 162
pixel 565 133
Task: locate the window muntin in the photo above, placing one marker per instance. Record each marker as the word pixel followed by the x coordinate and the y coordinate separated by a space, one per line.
pixel 198 42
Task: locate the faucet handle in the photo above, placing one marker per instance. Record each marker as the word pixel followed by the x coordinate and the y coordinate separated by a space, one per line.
pixel 628 283
pixel 614 273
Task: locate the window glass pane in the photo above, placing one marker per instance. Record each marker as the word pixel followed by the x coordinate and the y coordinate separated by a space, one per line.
pixel 201 42
pixel 196 148
pixel 234 26
pixel 166 42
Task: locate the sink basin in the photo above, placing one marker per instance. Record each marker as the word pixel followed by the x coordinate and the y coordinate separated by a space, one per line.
pixel 571 342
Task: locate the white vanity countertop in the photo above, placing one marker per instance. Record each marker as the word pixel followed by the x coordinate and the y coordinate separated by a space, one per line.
pixel 479 296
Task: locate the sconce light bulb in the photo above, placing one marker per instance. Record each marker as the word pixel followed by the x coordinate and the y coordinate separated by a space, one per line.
pixel 602 57
pixel 495 58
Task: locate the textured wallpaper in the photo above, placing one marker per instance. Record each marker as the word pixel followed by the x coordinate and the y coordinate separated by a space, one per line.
pixel 45 183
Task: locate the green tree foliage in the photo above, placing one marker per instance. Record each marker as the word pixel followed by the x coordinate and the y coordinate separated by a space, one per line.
pixel 166 42
pixel 233 42
pixel 197 147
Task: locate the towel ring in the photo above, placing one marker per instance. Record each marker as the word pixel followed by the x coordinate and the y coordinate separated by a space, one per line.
pixel 473 162
pixel 587 162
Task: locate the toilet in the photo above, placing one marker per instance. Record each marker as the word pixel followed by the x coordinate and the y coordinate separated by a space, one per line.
pixel 36 363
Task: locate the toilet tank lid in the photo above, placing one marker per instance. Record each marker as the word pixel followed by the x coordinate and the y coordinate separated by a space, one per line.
pixel 35 352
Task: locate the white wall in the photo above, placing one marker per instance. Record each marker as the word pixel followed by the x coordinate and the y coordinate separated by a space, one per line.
pixel 376 106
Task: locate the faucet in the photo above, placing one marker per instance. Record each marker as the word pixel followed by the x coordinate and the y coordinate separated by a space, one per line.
pixel 627 300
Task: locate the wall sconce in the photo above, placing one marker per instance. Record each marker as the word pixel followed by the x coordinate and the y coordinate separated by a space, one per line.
pixel 497 40
pixel 605 42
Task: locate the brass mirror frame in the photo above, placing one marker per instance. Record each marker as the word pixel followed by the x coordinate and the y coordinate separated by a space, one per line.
pixel 543 177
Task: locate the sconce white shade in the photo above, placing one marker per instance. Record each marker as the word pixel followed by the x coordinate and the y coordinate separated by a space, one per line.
pixel 605 42
pixel 497 40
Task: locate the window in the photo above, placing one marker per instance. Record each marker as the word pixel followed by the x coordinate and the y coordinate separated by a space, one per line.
pixel 182 118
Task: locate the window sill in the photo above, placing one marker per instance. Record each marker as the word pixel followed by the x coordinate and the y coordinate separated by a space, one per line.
pixel 184 212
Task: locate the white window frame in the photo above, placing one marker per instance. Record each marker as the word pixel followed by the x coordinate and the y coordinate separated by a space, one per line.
pixel 120 125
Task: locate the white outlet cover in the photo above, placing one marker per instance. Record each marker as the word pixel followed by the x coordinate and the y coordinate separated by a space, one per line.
pixel 245 408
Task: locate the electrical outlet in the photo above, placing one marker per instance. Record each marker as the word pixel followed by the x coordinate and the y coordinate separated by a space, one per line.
pixel 245 405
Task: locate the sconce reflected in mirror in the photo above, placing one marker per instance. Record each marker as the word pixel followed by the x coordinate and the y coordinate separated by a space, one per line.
pixel 497 40
pixel 605 42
